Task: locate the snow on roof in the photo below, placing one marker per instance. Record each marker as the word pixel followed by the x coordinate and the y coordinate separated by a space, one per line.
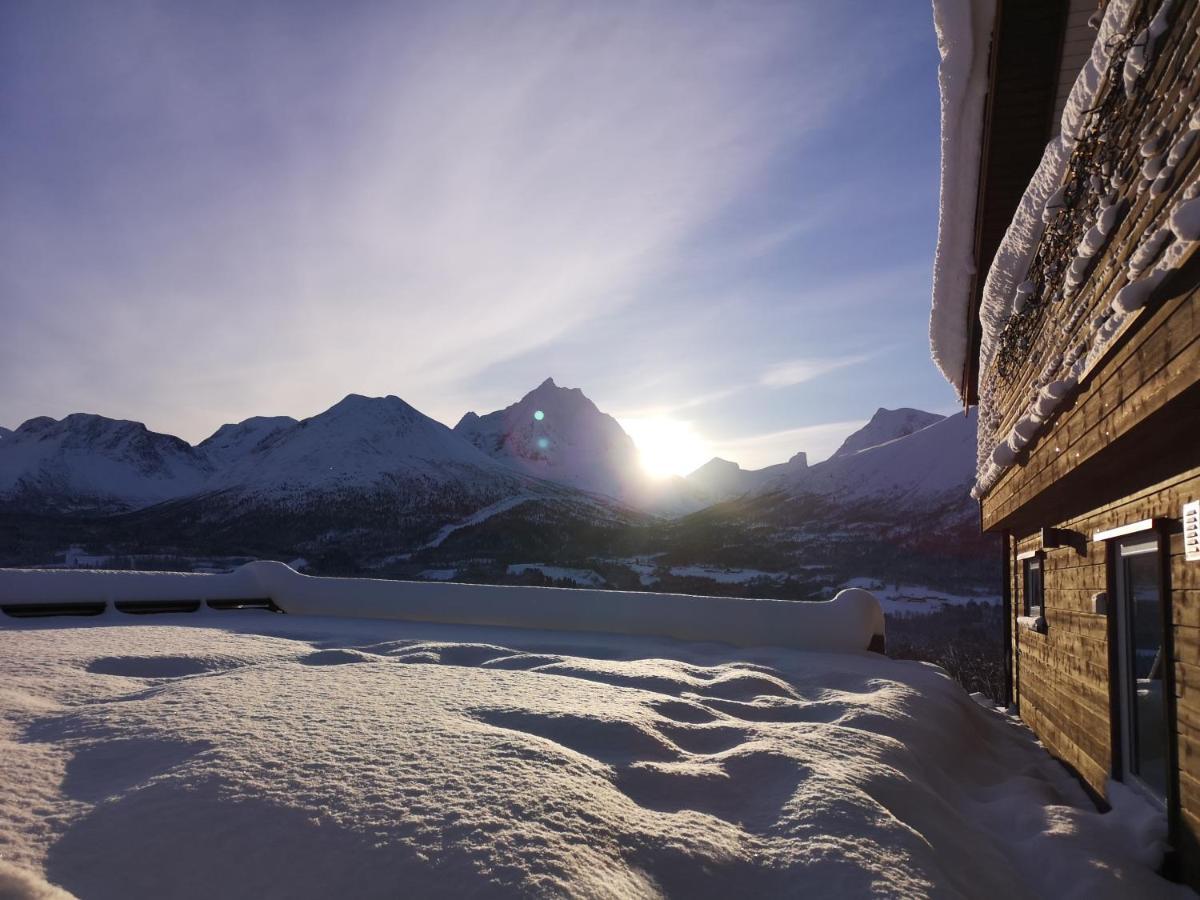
pixel 964 31
pixel 297 756
pixel 1011 263
pixel 1010 266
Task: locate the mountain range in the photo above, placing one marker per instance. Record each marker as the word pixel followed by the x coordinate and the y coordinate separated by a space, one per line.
pixel 372 484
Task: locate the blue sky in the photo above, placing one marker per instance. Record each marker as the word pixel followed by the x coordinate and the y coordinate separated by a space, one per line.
pixel 722 215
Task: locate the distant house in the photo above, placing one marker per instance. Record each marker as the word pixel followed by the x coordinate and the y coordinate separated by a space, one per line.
pixel 1066 307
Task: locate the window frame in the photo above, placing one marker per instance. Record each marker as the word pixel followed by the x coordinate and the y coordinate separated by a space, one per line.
pixel 1030 563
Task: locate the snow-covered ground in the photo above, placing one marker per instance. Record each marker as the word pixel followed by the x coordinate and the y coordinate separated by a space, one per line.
pixel 256 755
pixel 915 599
pixel 725 575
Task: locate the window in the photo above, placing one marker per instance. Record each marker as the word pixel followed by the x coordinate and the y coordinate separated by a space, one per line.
pixel 1141 665
pixel 1032 586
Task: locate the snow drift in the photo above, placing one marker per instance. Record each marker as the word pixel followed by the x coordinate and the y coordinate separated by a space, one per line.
pixel 288 756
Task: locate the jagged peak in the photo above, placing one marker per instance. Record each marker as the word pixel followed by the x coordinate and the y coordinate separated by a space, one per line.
pixel 799 459
pixel 717 463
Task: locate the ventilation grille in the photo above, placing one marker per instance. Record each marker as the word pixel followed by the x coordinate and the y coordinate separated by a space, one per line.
pixel 1191 531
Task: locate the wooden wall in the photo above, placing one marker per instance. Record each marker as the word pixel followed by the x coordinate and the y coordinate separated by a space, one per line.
pixel 1158 357
pixel 1062 684
pixel 1124 449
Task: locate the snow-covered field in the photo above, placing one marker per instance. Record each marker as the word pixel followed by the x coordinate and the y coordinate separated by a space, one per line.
pixel 915 599
pixel 247 754
pixel 725 575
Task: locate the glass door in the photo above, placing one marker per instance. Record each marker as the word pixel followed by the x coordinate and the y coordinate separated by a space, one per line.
pixel 1142 666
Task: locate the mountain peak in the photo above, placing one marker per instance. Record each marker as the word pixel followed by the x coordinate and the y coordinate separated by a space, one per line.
pixel 559 434
pixel 887 425
pixel 717 464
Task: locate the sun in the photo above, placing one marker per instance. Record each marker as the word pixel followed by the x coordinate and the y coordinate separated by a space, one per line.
pixel 667 446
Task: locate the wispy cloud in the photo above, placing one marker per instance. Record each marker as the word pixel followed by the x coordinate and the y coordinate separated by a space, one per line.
pixel 797 371
pixel 671 408
pixel 383 203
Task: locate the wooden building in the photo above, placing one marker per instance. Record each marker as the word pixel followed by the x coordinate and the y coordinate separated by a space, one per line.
pixel 1074 313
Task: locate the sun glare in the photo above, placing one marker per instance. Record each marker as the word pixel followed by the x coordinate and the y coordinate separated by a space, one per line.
pixel 667 446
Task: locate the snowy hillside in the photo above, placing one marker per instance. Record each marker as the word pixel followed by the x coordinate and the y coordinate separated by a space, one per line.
pixel 290 756
pixel 374 486
pixel 357 443
pixel 4 432
pixel 85 462
pixel 887 425
pixel 558 434
pixel 229 442
pixel 922 468
pixel 719 479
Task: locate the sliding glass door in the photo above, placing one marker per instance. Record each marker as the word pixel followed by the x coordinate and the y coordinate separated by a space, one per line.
pixel 1142 666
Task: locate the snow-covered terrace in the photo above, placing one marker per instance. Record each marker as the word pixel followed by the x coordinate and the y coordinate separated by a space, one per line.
pixel 236 752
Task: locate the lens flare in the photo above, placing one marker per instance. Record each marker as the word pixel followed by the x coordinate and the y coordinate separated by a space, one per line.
pixel 543 443
pixel 539 415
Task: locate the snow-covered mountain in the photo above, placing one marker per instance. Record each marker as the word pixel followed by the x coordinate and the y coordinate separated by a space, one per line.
pixel 374 485
pixel 4 432
pixel 922 468
pixel 87 461
pixel 558 434
pixel 232 441
pixel 887 425
pixel 358 443
pixel 719 479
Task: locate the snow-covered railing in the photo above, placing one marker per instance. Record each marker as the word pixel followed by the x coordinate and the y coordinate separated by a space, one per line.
pixel 851 621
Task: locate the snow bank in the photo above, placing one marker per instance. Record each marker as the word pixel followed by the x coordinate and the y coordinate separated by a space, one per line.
pixel 264 755
pixel 846 623
pixel 964 32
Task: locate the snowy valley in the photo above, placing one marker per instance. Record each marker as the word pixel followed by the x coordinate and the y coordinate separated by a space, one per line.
pixel 546 491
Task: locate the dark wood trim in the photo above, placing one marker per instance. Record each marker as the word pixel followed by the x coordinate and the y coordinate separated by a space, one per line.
pixel 1006 575
pixel 1164 529
pixel 1114 661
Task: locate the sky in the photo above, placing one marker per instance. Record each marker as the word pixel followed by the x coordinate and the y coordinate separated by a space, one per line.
pixel 717 219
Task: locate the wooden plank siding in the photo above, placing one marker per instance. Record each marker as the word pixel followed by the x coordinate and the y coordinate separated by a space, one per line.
pixel 1062 680
pixel 1178 57
pixel 1156 341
